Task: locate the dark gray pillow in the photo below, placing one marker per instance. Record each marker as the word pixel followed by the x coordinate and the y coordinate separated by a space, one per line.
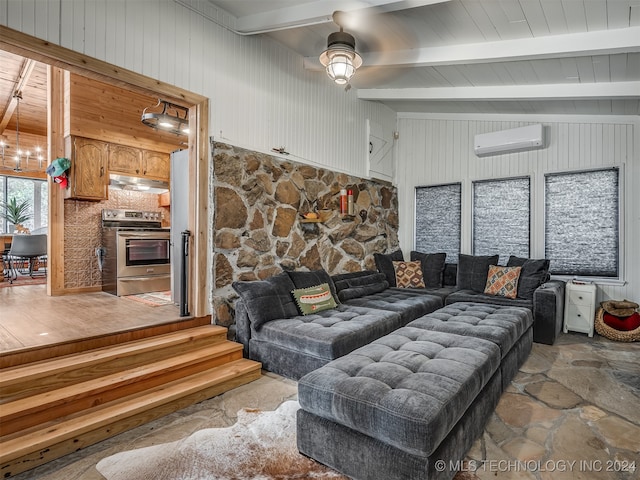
pixel 366 280
pixel 473 270
pixel 361 291
pixel 341 280
pixel 267 300
pixel 311 279
pixel 432 265
pixel 384 264
pixel 534 273
pixel 450 275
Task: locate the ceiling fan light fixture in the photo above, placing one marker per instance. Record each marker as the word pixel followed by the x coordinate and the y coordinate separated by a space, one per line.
pixel 340 59
pixel 173 118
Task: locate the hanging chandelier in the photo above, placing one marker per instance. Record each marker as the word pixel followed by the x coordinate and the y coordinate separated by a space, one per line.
pixel 340 59
pixel 18 161
pixel 173 118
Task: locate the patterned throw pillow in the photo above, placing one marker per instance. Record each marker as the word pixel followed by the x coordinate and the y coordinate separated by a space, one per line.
pixel 408 274
pixel 314 299
pixel 502 281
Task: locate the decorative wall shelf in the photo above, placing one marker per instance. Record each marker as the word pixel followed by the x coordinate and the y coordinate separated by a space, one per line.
pixel 323 216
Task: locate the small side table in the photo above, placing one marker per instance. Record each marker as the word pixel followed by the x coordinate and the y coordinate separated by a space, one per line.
pixel 579 308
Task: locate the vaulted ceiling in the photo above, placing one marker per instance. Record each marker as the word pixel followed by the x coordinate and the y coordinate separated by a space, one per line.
pixel 471 56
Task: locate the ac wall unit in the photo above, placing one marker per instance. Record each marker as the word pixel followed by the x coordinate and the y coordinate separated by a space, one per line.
pixel 507 141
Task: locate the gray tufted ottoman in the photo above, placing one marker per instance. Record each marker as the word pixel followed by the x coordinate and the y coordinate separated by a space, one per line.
pixel 391 409
pixel 509 327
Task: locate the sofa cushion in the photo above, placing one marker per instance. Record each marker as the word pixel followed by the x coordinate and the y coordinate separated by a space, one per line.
pixel 267 300
pixel 339 280
pixel 534 273
pixel 477 297
pixel 384 264
pixel 408 274
pixel 361 286
pixel 502 281
pixel 331 333
pixel 314 299
pixel 409 303
pixel 432 267
pixel 442 293
pixel 407 389
pixel 450 275
pixel 473 270
pixel 312 279
pixel 502 325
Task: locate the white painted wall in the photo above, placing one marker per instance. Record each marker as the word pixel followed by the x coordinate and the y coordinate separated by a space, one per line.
pixel 436 149
pixel 260 95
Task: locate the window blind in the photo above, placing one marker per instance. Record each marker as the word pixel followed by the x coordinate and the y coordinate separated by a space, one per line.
pixel 501 217
pixel 438 214
pixel 582 223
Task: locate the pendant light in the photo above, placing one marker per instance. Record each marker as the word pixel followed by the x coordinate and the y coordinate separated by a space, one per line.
pixel 20 155
pixel 340 59
pixel 173 118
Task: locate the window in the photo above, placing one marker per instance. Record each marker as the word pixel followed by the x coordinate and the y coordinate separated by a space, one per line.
pixel 23 189
pixel 582 223
pixel 438 213
pixel 501 217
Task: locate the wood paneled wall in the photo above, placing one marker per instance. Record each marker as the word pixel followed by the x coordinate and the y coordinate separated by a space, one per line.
pixel 113 114
pixel 260 95
pixel 439 149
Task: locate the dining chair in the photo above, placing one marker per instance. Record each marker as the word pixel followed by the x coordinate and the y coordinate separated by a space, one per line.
pixel 29 248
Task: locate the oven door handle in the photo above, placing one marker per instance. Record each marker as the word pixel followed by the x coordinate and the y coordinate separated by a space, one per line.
pixel 158 235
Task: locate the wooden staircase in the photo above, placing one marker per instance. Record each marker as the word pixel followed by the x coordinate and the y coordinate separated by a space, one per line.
pixel 54 407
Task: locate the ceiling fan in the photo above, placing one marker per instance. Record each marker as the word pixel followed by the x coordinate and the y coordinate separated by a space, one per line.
pixel 379 36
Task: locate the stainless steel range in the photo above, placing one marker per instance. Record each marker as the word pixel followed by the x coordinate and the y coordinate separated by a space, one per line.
pixel 136 252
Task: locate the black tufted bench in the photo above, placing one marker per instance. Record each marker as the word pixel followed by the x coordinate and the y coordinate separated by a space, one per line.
pixel 420 395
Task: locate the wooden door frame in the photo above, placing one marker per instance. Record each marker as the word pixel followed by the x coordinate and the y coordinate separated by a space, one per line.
pixel 59 59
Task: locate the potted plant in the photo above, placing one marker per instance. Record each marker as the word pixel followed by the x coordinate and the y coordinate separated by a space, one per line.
pixel 15 212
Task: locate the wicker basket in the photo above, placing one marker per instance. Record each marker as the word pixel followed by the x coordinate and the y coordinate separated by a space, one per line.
pixel 613 334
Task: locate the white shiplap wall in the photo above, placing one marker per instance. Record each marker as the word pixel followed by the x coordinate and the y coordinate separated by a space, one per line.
pixel 260 95
pixel 437 149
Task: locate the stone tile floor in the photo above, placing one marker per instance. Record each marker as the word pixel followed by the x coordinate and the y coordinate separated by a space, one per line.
pixel 572 412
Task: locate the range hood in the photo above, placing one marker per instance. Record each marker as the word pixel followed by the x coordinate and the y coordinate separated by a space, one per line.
pixel 137 184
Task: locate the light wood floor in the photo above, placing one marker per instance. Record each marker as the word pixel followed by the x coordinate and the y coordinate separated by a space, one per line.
pixel 31 319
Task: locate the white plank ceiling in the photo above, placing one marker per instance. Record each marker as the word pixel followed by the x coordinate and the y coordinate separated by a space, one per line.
pixel 470 56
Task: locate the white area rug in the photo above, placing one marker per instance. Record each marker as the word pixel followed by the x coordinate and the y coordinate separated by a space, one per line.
pixel 259 446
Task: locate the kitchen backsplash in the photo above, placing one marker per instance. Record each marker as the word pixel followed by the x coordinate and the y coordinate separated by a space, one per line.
pixel 83 233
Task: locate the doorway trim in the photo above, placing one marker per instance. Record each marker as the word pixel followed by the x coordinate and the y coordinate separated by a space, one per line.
pixel 61 58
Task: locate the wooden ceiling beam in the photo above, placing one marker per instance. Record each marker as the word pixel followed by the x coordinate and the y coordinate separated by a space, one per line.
pixel 20 82
pixel 319 11
pixel 564 91
pixel 582 44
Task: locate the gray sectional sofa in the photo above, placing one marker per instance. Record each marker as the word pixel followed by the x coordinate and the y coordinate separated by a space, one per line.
pixel 274 332
pixel 399 382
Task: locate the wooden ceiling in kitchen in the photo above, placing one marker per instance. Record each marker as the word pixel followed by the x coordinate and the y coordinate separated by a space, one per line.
pixel 97 110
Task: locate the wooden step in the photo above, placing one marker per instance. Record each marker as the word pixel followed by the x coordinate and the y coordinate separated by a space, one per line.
pixel 36 409
pixel 29 448
pixel 34 378
pixel 13 358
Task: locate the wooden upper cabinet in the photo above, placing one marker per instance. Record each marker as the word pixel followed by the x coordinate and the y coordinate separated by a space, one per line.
pixel 155 165
pixel 125 160
pixel 88 178
pixel 137 162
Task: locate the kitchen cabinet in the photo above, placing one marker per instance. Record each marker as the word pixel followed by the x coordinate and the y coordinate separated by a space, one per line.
pixel 155 165
pixel 133 161
pixel 125 160
pixel 164 199
pixel 88 179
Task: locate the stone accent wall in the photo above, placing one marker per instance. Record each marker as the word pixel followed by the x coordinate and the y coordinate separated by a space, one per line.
pixel 83 233
pixel 258 200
